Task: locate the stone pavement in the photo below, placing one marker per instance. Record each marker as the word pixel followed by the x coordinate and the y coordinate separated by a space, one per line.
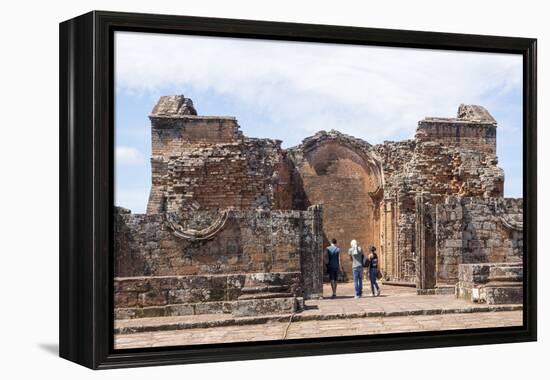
pixel 314 329
pixel 398 309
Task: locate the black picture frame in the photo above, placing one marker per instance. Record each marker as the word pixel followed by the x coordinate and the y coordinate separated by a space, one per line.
pixel 86 187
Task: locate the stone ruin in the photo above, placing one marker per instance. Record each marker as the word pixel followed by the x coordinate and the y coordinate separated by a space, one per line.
pixel 238 225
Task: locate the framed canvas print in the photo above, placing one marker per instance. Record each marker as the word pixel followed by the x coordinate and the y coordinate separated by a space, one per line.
pixel 237 189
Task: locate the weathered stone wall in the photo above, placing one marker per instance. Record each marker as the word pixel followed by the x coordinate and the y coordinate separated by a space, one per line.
pixel 449 156
pixel 443 169
pixel 249 242
pixel 477 230
pixel 457 156
pixel 396 211
pixel 393 156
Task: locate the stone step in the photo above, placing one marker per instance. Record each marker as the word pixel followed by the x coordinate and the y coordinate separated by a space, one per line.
pixel 130 326
pixel 265 295
pixel 264 289
pixel 272 279
pixel 440 290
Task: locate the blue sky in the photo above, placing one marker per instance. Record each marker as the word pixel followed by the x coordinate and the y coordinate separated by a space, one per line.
pixel 290 90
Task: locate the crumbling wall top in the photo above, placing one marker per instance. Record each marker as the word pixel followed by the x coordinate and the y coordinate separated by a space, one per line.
pixel 322 137
pixel 173 105
pixel 466 114
pixel 472 112
pixel 474 128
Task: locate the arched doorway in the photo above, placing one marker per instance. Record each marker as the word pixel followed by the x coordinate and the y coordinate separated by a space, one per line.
pixel 345 178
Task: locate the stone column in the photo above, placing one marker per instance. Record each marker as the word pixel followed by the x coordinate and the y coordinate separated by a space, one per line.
pixel 312 253
pixel 425 250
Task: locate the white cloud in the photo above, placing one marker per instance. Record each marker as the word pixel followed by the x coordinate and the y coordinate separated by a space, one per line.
pixel 293 90
pixel 125 155
pixel 371 92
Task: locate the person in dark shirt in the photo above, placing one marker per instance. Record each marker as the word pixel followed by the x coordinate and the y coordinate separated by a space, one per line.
pixel 334 265
pixel 373 271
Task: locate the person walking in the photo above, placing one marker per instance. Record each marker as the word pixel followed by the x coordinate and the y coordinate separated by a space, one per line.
pixel 334 265
pixel 373 271
pixel 356 254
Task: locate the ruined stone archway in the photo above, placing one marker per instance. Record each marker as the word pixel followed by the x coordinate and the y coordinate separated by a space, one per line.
pixel 344 175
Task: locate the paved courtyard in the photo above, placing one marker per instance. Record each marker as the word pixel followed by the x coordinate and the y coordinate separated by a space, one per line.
pixel 398 309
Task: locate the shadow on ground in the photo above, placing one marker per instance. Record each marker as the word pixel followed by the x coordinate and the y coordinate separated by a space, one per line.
pixel 52 348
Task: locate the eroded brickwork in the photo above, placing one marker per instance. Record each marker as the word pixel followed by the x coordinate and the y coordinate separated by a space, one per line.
pixel 205 163
pixel 448 157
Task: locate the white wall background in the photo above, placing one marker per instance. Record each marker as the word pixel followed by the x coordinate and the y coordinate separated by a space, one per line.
pixel 29 187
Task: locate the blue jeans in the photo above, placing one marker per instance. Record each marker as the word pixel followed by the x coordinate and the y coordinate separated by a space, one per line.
pixel 372 275
pixel 358 280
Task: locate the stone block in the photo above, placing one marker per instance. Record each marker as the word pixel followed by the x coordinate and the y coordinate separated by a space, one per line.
pixel 504 294
pixel 126 299
pixel 209 308
pixel 176 296
pixel 178 310
pixel 491 283
pixel 152 298
pixel 265 306
pixel 453 243
pixel 131 285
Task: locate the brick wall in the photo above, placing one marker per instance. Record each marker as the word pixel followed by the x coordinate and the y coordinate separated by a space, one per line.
pixel 479 136
pixel 473 129
pixel 213 172
pixel 169 134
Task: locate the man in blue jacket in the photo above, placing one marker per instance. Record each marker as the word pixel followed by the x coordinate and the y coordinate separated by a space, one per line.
pixel 334 265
